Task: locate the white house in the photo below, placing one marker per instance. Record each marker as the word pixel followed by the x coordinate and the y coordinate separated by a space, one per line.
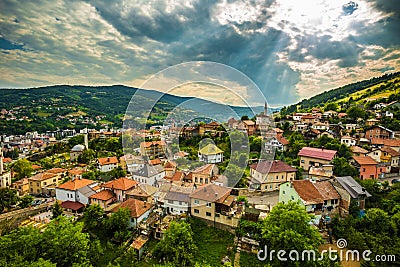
pixel 348 140
pixel 139 210
pixel 211 154
pixel 177 200
pixel 77 190
pixel 149 174
pixel 107 164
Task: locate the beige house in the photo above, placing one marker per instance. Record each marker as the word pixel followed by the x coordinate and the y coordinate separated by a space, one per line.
pixel 214 205
pixel 103 198
pixel 316 157
pixel 40 181
pixel 202 175
pixel 268 175
pixel 22 186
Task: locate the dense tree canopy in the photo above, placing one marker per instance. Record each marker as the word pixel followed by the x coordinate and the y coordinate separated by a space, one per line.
pixel 178 245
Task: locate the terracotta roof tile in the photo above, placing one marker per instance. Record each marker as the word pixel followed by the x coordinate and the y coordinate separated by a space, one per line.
pixel 318 153
pixel 391 142
pixel 272 167
pixel 42 176
pixel 120 184
pixel 364 160
pixel 136 207
pixel 211 192
pixel 103 195
pixel 72 205
pixel 139 242
pixel 156 161
pixel 327 191
pixel 357 149
pixel 75 184
pixel 307 191
pixel 109 160
pixel 282 140
pixel 391 151
pixel 152 143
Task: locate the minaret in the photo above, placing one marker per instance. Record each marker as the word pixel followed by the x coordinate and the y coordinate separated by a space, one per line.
pixel 86 140
pixel 1 159
pixel 265 108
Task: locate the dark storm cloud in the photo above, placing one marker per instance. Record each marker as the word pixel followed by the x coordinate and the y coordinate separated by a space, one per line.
pixel 120 41
pixel 158 25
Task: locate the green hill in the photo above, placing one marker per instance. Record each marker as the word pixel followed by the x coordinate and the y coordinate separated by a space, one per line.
pixel 359 92
pixel 77 107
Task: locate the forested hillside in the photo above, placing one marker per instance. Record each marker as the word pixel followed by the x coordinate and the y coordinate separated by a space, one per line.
pixel 385 82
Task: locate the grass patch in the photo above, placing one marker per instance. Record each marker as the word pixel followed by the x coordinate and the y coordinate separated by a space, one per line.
pixel 43 114
pixel 212 244
pixel 250 260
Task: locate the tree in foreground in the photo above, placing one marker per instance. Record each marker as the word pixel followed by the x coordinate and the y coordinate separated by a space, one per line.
pixel 288 228
pixel 8 197
pixel 57 210
pixel 178 245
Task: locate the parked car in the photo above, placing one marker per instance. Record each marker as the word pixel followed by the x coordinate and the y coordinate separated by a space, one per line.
pixel 395 181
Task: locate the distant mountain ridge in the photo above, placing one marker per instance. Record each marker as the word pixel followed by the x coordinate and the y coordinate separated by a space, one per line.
pixel 64 106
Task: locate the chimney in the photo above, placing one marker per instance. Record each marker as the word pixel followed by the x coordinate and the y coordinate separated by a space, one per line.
pixel 145 202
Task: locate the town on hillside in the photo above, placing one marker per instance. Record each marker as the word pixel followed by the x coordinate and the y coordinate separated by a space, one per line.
pixel 132 189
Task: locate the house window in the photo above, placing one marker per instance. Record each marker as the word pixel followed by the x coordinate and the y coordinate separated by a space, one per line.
pixel 208 214
pixel 196 211
pixel 302 161
pixel 283 192
pixel 196 201
pixel 283 177
pixel 292 197
pixel 208 204
pixel 170 201
pixel 277 177
pixel 363 169
pixel 180 203
pixel 325 202
pixel 216 215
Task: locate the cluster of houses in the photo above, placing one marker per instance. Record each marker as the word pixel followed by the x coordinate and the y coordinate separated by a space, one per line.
pixel 155 190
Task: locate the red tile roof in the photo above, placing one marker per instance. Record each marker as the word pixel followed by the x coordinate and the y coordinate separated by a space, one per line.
pixel 391 142
pixel 7 160
pixel 272 167
pixel 106 161
pixel 72 205
pixel 120 184
pixel 42 176
pixel 307 192
pixel 139 242
pixel 318 153
pixel 103 195
pixel 282 140
pixel 75 184
pixel 327 191
pixel 357 149
pixel 56 170
pixel 152 143
pixel 391 151
pixel 364 160
pixel 211 192
pixel 156 161
pixel 136 207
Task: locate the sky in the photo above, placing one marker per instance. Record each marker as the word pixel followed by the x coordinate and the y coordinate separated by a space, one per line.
pixel 291 49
